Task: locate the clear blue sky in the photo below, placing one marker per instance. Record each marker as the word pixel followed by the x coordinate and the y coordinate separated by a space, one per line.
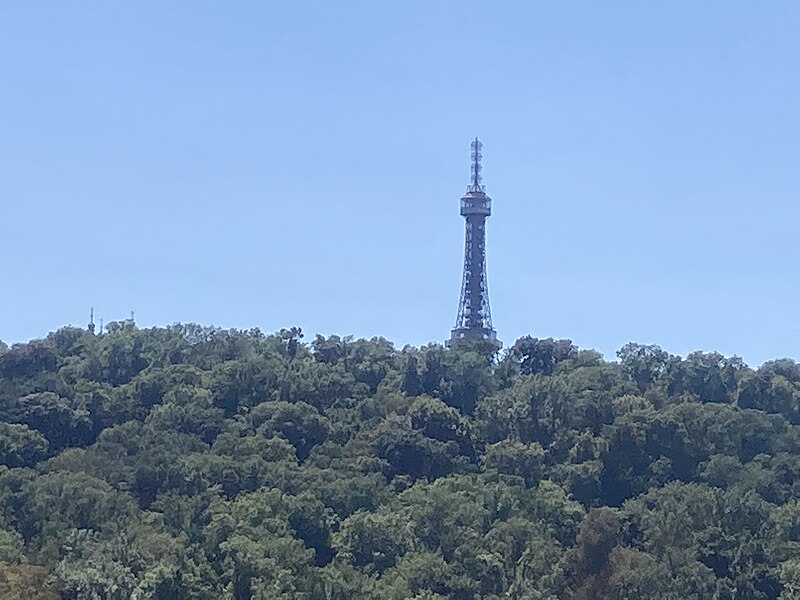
pixel 268 164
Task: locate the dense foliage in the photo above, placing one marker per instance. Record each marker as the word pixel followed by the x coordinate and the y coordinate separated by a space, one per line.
pixel 196 463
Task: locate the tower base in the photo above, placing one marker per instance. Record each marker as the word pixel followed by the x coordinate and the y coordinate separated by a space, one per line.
pixel 470 334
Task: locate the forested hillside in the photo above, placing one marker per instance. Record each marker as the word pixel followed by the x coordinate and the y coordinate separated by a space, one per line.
pixel 196 463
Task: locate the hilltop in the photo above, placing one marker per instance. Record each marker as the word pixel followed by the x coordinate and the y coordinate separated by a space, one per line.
pixel 194 462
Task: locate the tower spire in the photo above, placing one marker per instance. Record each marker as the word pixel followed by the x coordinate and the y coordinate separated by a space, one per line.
pixel 474 319
pixel 91 320
pixel 475 174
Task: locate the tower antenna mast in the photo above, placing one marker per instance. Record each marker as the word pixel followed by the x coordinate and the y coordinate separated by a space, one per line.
pixel 477 156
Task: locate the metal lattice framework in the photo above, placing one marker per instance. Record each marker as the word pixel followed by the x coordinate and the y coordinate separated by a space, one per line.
pixel 474 319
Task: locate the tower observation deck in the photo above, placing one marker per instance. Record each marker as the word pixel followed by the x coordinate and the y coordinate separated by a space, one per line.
pixel 474 320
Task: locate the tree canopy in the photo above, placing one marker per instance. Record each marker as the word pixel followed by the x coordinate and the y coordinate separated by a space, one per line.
pixel 192 462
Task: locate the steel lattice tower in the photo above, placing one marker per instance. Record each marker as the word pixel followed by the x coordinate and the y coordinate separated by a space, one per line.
pixel 474 320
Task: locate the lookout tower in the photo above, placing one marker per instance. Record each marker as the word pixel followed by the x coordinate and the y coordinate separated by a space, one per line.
pixel 474 320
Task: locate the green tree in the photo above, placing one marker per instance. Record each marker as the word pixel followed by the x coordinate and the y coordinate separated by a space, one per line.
pixel 644 364
pixel 540 356
pixel 54 417
pixel 21 446
pixel 301 424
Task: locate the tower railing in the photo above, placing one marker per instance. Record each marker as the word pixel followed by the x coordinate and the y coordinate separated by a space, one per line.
pixel 478 205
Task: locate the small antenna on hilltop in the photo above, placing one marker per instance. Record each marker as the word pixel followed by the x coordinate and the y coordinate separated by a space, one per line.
pixel 133 319
pixel 101 326
pixel 91 320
